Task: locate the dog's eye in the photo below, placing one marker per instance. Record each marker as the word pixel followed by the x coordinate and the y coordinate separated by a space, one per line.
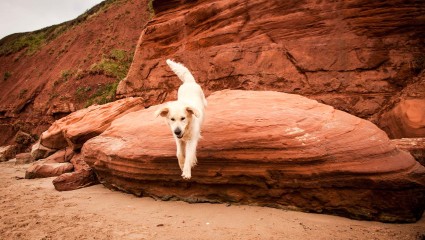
pixel 183 118
pixel 172 119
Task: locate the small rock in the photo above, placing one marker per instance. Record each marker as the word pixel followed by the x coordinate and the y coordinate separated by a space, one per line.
pixel 83 176
pixel 42 169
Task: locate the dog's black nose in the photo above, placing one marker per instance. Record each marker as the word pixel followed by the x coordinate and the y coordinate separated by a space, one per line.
pixel 177 131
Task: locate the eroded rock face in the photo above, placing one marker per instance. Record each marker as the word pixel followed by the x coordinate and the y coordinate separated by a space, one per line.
pixel 353 55
pixel 266 148
pixel 76 128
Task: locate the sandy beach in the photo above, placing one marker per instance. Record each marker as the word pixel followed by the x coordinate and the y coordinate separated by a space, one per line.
pixel 33 209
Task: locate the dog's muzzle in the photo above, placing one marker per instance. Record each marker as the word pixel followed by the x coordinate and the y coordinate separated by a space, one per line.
pixel 178 133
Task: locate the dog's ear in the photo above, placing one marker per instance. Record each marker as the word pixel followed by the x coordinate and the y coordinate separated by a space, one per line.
pixel 162 111
pixel 193 111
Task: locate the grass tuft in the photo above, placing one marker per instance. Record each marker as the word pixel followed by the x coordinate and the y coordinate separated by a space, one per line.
pixel 151 9
pixel 116 64
pixel 104 94
pixel 22 93
pixel 32 42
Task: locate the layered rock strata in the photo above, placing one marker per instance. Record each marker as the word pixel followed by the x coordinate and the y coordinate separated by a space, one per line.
pixel 270 149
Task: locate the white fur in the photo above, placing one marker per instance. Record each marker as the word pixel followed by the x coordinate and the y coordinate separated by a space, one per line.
pixel 186 114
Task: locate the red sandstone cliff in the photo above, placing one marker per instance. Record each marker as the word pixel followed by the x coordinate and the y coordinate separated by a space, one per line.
pixel 358 56
pixel 47 74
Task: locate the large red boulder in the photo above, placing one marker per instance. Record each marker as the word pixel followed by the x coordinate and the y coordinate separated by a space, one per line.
pixel 266 148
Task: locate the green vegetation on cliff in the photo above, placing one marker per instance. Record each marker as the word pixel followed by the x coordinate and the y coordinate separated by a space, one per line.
pixel 33 41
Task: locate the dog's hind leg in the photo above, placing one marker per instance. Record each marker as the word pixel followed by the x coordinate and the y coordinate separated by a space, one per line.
pixel 190 158
pixel 181 148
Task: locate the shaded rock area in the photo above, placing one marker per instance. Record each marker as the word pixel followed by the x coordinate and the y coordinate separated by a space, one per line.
pixel 269 149
pixel 24 141
pixel 406 119
pixel 39 151
pixel 7 152
pixel 24 158
pixel 356 56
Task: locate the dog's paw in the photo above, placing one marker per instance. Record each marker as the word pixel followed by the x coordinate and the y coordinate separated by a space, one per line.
pixel 194 162
pixel 186 175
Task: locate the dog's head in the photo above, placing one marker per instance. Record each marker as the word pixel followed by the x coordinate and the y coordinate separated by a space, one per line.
pixel 179 117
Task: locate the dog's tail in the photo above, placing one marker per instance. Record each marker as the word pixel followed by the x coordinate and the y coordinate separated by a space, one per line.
pixel 181 71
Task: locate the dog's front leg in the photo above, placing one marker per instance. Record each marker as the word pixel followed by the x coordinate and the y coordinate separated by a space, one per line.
pixel 190 158
pixel 181 148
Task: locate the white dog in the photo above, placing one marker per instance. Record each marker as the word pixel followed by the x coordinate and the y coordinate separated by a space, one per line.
pixel 185 117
